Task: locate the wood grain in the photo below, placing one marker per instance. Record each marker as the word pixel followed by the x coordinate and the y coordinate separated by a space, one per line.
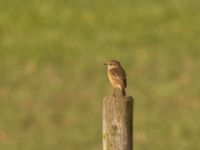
pixel 117 123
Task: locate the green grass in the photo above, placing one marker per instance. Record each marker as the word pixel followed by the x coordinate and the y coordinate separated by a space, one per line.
pixel 52 78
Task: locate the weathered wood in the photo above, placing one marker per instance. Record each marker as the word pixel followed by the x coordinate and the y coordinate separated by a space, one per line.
pixel 117 123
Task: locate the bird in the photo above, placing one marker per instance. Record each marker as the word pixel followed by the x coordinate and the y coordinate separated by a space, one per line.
pixel 117 76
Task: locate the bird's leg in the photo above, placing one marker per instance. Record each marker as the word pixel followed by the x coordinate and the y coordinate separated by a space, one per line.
pixel 123 92
pixel 114 92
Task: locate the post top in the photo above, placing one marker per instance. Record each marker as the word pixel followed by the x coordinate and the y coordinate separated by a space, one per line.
pixel 118 98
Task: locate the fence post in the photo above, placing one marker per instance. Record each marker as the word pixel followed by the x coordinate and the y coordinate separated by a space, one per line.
pixel 118 123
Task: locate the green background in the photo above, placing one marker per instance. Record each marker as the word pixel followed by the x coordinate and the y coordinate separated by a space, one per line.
pixel 52 77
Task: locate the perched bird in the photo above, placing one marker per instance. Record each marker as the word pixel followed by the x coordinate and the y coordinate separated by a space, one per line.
pixel 117 76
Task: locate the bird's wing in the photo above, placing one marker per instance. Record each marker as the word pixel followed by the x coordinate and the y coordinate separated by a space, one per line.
pixel 120 74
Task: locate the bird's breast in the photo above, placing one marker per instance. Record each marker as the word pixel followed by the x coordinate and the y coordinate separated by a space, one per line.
pixel 114 80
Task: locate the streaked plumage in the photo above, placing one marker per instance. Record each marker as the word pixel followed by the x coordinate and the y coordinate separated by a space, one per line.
pixel 117 75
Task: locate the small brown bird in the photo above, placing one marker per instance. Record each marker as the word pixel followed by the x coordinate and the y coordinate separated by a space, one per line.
pixel 117 76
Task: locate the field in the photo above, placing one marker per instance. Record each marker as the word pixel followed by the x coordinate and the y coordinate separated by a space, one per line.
pixel 52 77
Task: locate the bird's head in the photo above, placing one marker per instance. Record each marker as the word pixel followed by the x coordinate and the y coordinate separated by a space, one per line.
pixel 113 64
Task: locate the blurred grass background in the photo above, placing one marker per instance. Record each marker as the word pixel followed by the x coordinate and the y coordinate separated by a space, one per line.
pixel 52 78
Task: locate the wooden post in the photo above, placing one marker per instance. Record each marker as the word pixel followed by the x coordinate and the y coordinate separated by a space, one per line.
pixel 117 123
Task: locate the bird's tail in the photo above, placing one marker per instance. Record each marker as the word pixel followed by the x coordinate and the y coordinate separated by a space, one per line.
pixel 123 92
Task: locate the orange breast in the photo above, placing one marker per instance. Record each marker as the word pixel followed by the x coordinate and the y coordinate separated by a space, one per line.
pixel 116 82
